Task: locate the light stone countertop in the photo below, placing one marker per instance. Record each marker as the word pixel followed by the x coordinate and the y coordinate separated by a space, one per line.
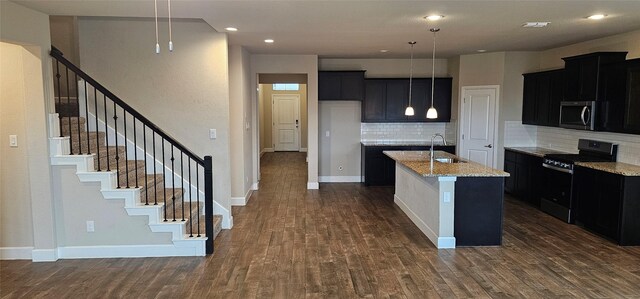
pixel 535 151
pixel 402 143
pixel 623 169
pixel 419 162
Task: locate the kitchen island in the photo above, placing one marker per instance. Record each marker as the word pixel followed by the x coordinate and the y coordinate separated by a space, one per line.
pixel 454 202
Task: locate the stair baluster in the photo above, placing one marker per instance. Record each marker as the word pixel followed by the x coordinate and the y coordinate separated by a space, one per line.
pixel 95 105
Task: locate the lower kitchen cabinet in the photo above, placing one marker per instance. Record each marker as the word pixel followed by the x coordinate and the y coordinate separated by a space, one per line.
pixel 608 204
pixel 380 170
pixel 526 176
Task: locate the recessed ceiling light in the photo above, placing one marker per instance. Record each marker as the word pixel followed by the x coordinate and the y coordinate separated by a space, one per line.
pixel 268 41
pixel 482 51
pixel 231 29
pixel 384 51
pixel 535 24
pixel 596 17
pixel 434 17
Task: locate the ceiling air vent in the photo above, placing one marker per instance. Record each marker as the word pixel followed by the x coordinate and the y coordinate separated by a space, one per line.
pixel 535 24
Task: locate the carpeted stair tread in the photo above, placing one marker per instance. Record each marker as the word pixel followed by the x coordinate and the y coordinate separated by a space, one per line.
pixel 107 153
pixel 71 123
pixel 96 140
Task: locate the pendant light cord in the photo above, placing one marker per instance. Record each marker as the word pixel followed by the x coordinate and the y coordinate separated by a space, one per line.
pixel 433 65
pixel 155 4
pixel 170 39
pixel 411 72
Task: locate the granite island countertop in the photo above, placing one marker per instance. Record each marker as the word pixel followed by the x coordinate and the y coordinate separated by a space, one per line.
pixel 402 143
pixel 419 162
pixel 620 168
pixel 535 151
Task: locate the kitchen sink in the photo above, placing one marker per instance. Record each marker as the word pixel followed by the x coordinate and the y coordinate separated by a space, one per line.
pixel 448 160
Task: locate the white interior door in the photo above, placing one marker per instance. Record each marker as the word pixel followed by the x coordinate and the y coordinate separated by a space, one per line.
pixel 478 124
pixel 286 122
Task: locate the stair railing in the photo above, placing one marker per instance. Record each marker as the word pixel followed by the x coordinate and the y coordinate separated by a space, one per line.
pixel 110 112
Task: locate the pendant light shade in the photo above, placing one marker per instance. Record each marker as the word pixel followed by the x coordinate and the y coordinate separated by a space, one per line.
pixel 432 113
pixel 155 6
pixel 409 111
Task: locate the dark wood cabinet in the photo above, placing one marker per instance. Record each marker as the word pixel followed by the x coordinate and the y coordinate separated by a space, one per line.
pixel 543 92
pixel 632 98
pixel 341 85
pixel 608 204
pixel 583 74
pixel 380 170
pixel 526 176
pixel 386 100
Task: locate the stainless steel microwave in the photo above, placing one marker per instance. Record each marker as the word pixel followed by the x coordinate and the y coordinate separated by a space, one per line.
pixel 578 115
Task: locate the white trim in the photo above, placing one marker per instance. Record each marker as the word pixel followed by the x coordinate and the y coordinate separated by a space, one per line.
pixel 266 150
pixel 15 253
pixel 313 185
pixel 241 201
pixel 496 128
pixel 339 179
pixel 255 186
pixel 303 149
pixel 125 251
pixel 440 242
pixel 44 255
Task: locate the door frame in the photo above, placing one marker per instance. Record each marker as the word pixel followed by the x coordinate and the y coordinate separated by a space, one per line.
pixel 273 113
pixel 496 122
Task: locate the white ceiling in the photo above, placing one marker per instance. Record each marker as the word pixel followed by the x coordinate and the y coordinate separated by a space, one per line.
pixel 361 28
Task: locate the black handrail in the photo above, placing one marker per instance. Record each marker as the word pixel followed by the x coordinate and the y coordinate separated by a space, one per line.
pixel 59 56
pixel 206 162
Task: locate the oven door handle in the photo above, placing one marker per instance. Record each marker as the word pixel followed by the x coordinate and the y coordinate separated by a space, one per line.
pixel 584 109
pixel 557 168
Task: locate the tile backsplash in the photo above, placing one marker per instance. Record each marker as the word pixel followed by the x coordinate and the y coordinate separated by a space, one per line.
pixel 567 140
pixel 402 131
pixel 517 134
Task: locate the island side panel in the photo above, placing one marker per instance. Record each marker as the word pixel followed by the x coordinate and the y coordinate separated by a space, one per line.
pixel 419 198
pixel 479 211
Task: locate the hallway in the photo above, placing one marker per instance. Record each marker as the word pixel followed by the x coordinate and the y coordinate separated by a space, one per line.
pixel 346 241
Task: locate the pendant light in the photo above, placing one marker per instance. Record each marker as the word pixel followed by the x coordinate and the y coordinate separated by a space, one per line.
pixel 155 3
pixel 409 111
pixel 170 41
pixel 432 113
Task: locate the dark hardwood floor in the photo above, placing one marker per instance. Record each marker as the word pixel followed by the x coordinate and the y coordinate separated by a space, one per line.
pixel 347 241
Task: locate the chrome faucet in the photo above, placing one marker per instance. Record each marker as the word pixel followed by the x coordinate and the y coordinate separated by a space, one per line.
pixel 444 142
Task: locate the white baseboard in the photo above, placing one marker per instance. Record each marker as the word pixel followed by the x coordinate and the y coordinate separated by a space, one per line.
pixel 16 253
pixel 313 185
pixel 339 179
pixel 124 251
pixel 303 149
pixel 44 255
pixel 241 201
pixel 255 186
pixel 266 150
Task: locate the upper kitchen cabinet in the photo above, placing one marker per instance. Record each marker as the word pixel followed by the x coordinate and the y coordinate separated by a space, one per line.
pixel 543 92
pixel 582 74
pixel 341 85
pixel 386 100
pixel 632 102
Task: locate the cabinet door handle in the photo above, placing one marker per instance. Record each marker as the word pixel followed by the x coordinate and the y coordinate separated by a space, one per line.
pixel 584 122
pixel 489 146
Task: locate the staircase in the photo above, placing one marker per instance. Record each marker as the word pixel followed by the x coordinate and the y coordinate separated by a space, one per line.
pixel 154 174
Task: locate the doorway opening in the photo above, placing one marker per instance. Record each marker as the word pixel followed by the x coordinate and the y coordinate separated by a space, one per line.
pixel 282 115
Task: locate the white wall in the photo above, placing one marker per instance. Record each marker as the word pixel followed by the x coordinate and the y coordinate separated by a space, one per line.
pixel 16 228
pixel 342 147
pixel 30 29
pixel 185 92
pixel 291 64
pixel 240 121
pixel 80 202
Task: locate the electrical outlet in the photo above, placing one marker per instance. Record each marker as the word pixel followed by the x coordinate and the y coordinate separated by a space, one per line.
pixel 213 134
pixel 446 197
pixel 327 133
pixel 13 140
pixel 91 226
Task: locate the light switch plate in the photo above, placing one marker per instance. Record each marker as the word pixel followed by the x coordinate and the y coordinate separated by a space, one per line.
pixel 213 134
pixel 327 133
pixel 13 140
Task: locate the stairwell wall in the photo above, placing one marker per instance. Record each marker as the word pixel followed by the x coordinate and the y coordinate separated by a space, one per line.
pixel 30 29
pixel 185 92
